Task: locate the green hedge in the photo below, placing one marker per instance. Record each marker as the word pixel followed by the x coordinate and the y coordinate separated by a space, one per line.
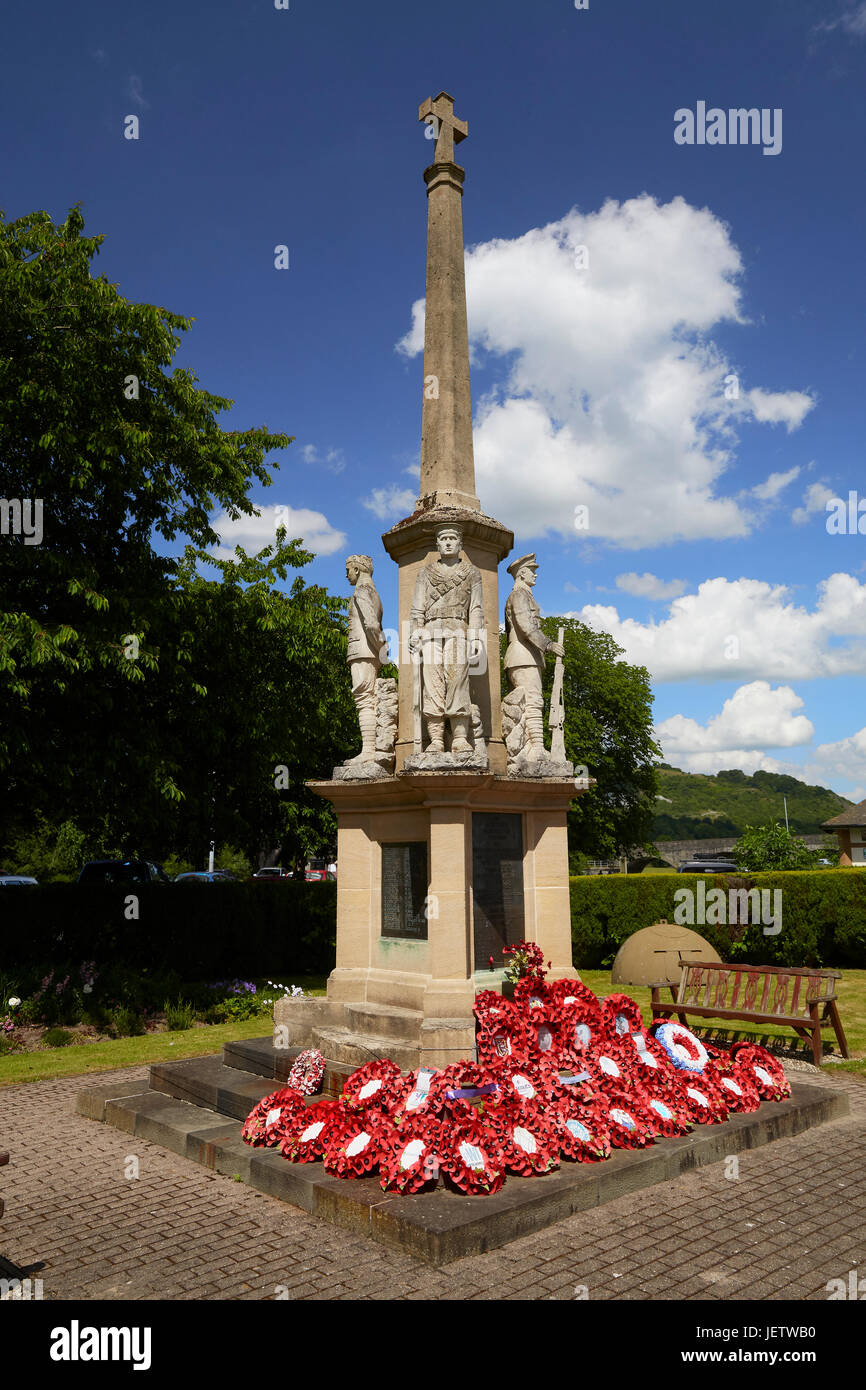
pixel 823 916
pixel 200 930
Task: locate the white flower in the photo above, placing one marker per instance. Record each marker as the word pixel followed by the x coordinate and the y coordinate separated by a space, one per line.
pixel 13 1002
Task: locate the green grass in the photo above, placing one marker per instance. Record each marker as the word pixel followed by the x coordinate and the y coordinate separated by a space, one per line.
pixel 86 1058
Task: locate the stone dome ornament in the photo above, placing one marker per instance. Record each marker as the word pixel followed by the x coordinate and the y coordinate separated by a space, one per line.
pixel 654 955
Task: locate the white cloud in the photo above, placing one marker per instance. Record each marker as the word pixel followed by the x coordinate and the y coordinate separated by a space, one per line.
pixel 853 22
pixel 614 397
pixel 787 408
pixel 768 491
pixel 815 499
pixel 648 586
pixel 842 761
pixel 385 502
pixel 754 718
pixel 255 532
pixel 745 628
pixel 331 459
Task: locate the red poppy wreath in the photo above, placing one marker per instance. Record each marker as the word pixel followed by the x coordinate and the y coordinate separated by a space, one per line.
pixel 306 1134
pixel 372 1086
pixel 355 1147
pixel 265 1123
pixel 762 1070
pixel 471 1157
pixel 410 1157
pixel 582 1131
pixel 529 1142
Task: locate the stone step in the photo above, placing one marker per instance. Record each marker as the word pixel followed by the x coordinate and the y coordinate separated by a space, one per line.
pixel 443 1225
pixel 384 1021
pixel 209 1083
pixel 257 1055
pixel 352 1050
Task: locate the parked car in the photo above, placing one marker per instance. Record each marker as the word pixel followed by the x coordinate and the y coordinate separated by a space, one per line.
pixel 123 871
pixel 272 873
pixel 201 876
pixel 316 876
pixel 17 881
pixel 709 866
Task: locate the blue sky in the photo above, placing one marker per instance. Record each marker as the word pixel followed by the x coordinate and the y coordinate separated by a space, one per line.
pixel 602 384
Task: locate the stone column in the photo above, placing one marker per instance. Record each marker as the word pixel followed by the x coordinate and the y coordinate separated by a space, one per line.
pixel 447 461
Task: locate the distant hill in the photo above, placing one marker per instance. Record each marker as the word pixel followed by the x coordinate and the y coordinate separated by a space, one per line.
pixel 692 806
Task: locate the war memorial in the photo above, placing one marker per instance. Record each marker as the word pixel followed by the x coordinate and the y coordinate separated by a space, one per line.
pixel 415 1077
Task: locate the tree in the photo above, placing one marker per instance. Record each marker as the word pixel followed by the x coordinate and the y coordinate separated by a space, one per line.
pixel 268 706
pixel 608 730
pixel 122 453
pixel 771 846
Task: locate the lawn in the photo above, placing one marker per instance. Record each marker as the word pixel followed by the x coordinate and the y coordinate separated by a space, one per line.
pixel 196 1042
pixel 86 1058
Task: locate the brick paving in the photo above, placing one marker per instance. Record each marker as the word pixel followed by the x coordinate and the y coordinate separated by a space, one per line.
pixel 792 1220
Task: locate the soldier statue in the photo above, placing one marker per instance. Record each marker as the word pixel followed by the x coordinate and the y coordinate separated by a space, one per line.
pixel 367 650
pixel 524 658
pixel 446 621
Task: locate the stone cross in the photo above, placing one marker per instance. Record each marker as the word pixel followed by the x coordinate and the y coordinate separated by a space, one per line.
pixel 447 128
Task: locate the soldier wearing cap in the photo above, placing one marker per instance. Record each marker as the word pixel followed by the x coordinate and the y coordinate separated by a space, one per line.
pixel 367 649
pixel 446 617
pixel 527 647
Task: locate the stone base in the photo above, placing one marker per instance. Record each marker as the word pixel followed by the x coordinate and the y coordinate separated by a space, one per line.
pixel 535 765
pixel 436 1226
pixel 446 762
pixel 366 771
pixel 353 1032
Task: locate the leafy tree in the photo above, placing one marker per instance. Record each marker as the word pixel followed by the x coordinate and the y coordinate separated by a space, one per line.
pixel 771 846
pixel 268 706
pixel 608 729
pixel 122 452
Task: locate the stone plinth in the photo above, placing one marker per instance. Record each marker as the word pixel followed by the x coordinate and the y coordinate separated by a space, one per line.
pixel 418 991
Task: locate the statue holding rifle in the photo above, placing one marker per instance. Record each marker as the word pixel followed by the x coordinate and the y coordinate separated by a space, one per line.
pixel 523 707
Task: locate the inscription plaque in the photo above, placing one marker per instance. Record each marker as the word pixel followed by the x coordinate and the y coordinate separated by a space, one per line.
pixel 404 889
pixel 497 884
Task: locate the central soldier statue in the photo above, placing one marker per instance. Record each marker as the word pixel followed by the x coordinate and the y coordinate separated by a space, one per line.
pixel 446 629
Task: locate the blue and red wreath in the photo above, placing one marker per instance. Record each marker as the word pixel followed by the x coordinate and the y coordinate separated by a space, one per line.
pixel 685 1051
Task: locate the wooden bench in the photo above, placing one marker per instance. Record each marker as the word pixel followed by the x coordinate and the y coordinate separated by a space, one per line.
pixel 757 994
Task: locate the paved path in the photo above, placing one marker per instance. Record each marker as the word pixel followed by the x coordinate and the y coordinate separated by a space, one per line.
pixel 792 1220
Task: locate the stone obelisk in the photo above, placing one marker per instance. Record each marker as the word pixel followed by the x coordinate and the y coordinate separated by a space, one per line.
pixel 447 461
pixel 447 489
